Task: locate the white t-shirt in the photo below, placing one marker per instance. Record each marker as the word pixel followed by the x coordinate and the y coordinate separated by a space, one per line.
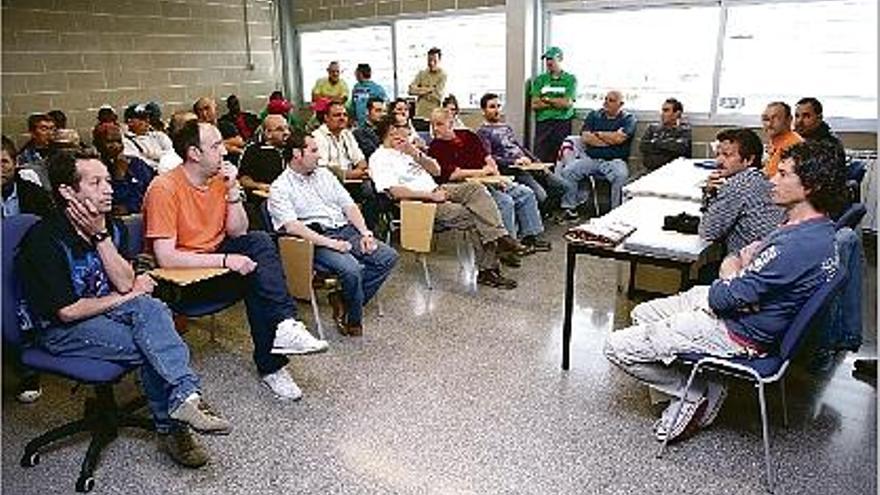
pixel 389 167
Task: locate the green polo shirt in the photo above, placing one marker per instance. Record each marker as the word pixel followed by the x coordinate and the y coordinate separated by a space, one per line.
pixel 554 87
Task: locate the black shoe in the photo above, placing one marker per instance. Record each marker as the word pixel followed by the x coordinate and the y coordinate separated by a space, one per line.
pixel 493 278
pixel 537 243
pixel 570 215
pixel 183 449
pixel 29 389
pixel 510 259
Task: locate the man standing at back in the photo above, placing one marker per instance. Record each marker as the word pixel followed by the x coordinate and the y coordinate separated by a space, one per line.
pixel 428 85
pixel 195 219
pixel 363 91
pixel 552 98
pixel 331 87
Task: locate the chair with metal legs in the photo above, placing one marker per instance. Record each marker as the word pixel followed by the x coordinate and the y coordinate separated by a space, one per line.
pixel 766 370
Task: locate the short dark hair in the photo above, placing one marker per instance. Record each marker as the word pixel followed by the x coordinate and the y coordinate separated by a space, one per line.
pixel 435 51
pixel 785 106
pixel 676 105
pixel 365 70
pixel 189 134
pixel 813 102
pixel 385 125
pixel 62 170
pixel 486 98
pixel 819 166
pixel 59 118
pixel 35 118
pixel 296 141
pixel 748 143
pixel 374 99
pixel 9 147
pixel 450 99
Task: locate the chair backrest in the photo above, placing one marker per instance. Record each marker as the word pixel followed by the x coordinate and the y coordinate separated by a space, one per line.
pixel 851 216
pixel 134 225
pixel 809 313
pixel 265 217
pixel 417 225
pixel 14 230
pixel 297 260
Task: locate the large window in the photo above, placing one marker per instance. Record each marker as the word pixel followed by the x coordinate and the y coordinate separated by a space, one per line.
pixel 349 47
pixel 785 51
pixel 649 55
pixel 770 50
pixel 473 49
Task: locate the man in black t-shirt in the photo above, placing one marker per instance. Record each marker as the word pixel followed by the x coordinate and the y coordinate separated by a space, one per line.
pixel 89 303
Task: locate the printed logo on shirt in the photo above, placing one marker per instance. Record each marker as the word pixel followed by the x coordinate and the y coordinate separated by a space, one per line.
pixel 831 264
pixel 552 89
pixel 763 258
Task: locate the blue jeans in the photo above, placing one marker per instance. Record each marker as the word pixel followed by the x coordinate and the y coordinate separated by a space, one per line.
pixel 266 298
pixel 614 171
pixel 361 273
pixel 550 193
pixel 141 333
pixel 519 208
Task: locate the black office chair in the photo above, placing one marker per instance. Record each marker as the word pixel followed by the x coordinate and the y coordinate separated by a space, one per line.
pixel 102 417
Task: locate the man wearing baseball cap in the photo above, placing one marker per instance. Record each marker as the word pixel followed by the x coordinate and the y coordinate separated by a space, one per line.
pixel 552 94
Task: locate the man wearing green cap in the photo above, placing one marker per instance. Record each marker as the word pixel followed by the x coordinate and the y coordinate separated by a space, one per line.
pixel 552 94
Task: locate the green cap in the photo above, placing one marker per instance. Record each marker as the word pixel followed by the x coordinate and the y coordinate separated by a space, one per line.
pixel 552 52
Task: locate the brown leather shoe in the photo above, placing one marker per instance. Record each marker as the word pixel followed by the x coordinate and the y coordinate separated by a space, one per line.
pixel 338 305
pixel 507 244
pixel 354 330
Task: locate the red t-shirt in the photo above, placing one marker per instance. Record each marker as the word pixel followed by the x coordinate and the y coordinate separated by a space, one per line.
pixel 466 151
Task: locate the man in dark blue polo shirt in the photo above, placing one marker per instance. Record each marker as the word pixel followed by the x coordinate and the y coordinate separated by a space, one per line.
pixel 607 136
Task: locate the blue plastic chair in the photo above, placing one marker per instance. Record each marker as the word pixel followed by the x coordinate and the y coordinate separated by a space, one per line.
pixel 103 417
pixel 851 217
pixel 224 291
pixel 766 370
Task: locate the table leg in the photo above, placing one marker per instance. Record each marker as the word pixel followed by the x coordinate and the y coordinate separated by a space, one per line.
pixel 631 286
pixel 685 278
pixel 568 305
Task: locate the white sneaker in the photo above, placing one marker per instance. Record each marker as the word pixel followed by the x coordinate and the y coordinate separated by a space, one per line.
pixel 282 384
pixel 291 337
pixel 29 396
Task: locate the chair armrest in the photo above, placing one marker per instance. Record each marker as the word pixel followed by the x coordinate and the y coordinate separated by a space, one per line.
pixel 297 260
pixel 417 225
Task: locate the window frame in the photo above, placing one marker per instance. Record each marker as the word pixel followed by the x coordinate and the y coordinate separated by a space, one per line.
pixel 712 118
pixel 382 21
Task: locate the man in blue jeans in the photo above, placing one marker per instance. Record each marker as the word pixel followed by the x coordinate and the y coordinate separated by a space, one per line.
pixel 89 303
pixel 309 202
pixel 194 218
pixel 606 137
pixel 463 155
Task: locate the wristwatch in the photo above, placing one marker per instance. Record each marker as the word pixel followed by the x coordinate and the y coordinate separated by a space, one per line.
pixel 100 236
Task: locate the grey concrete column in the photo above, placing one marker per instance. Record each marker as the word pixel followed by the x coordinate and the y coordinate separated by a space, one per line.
pixel 523 29
pixel 289 52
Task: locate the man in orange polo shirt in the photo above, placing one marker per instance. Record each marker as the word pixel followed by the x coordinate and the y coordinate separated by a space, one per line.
pixel 194 218
pixel 776 120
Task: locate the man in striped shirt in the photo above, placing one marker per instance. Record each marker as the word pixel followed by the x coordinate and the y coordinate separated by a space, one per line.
pixel 739 209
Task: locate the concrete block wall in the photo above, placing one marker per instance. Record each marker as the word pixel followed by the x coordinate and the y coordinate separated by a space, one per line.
pixel 76 55
pixel 314 11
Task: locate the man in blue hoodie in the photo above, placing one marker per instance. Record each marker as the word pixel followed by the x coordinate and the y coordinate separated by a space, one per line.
pixel 750 307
